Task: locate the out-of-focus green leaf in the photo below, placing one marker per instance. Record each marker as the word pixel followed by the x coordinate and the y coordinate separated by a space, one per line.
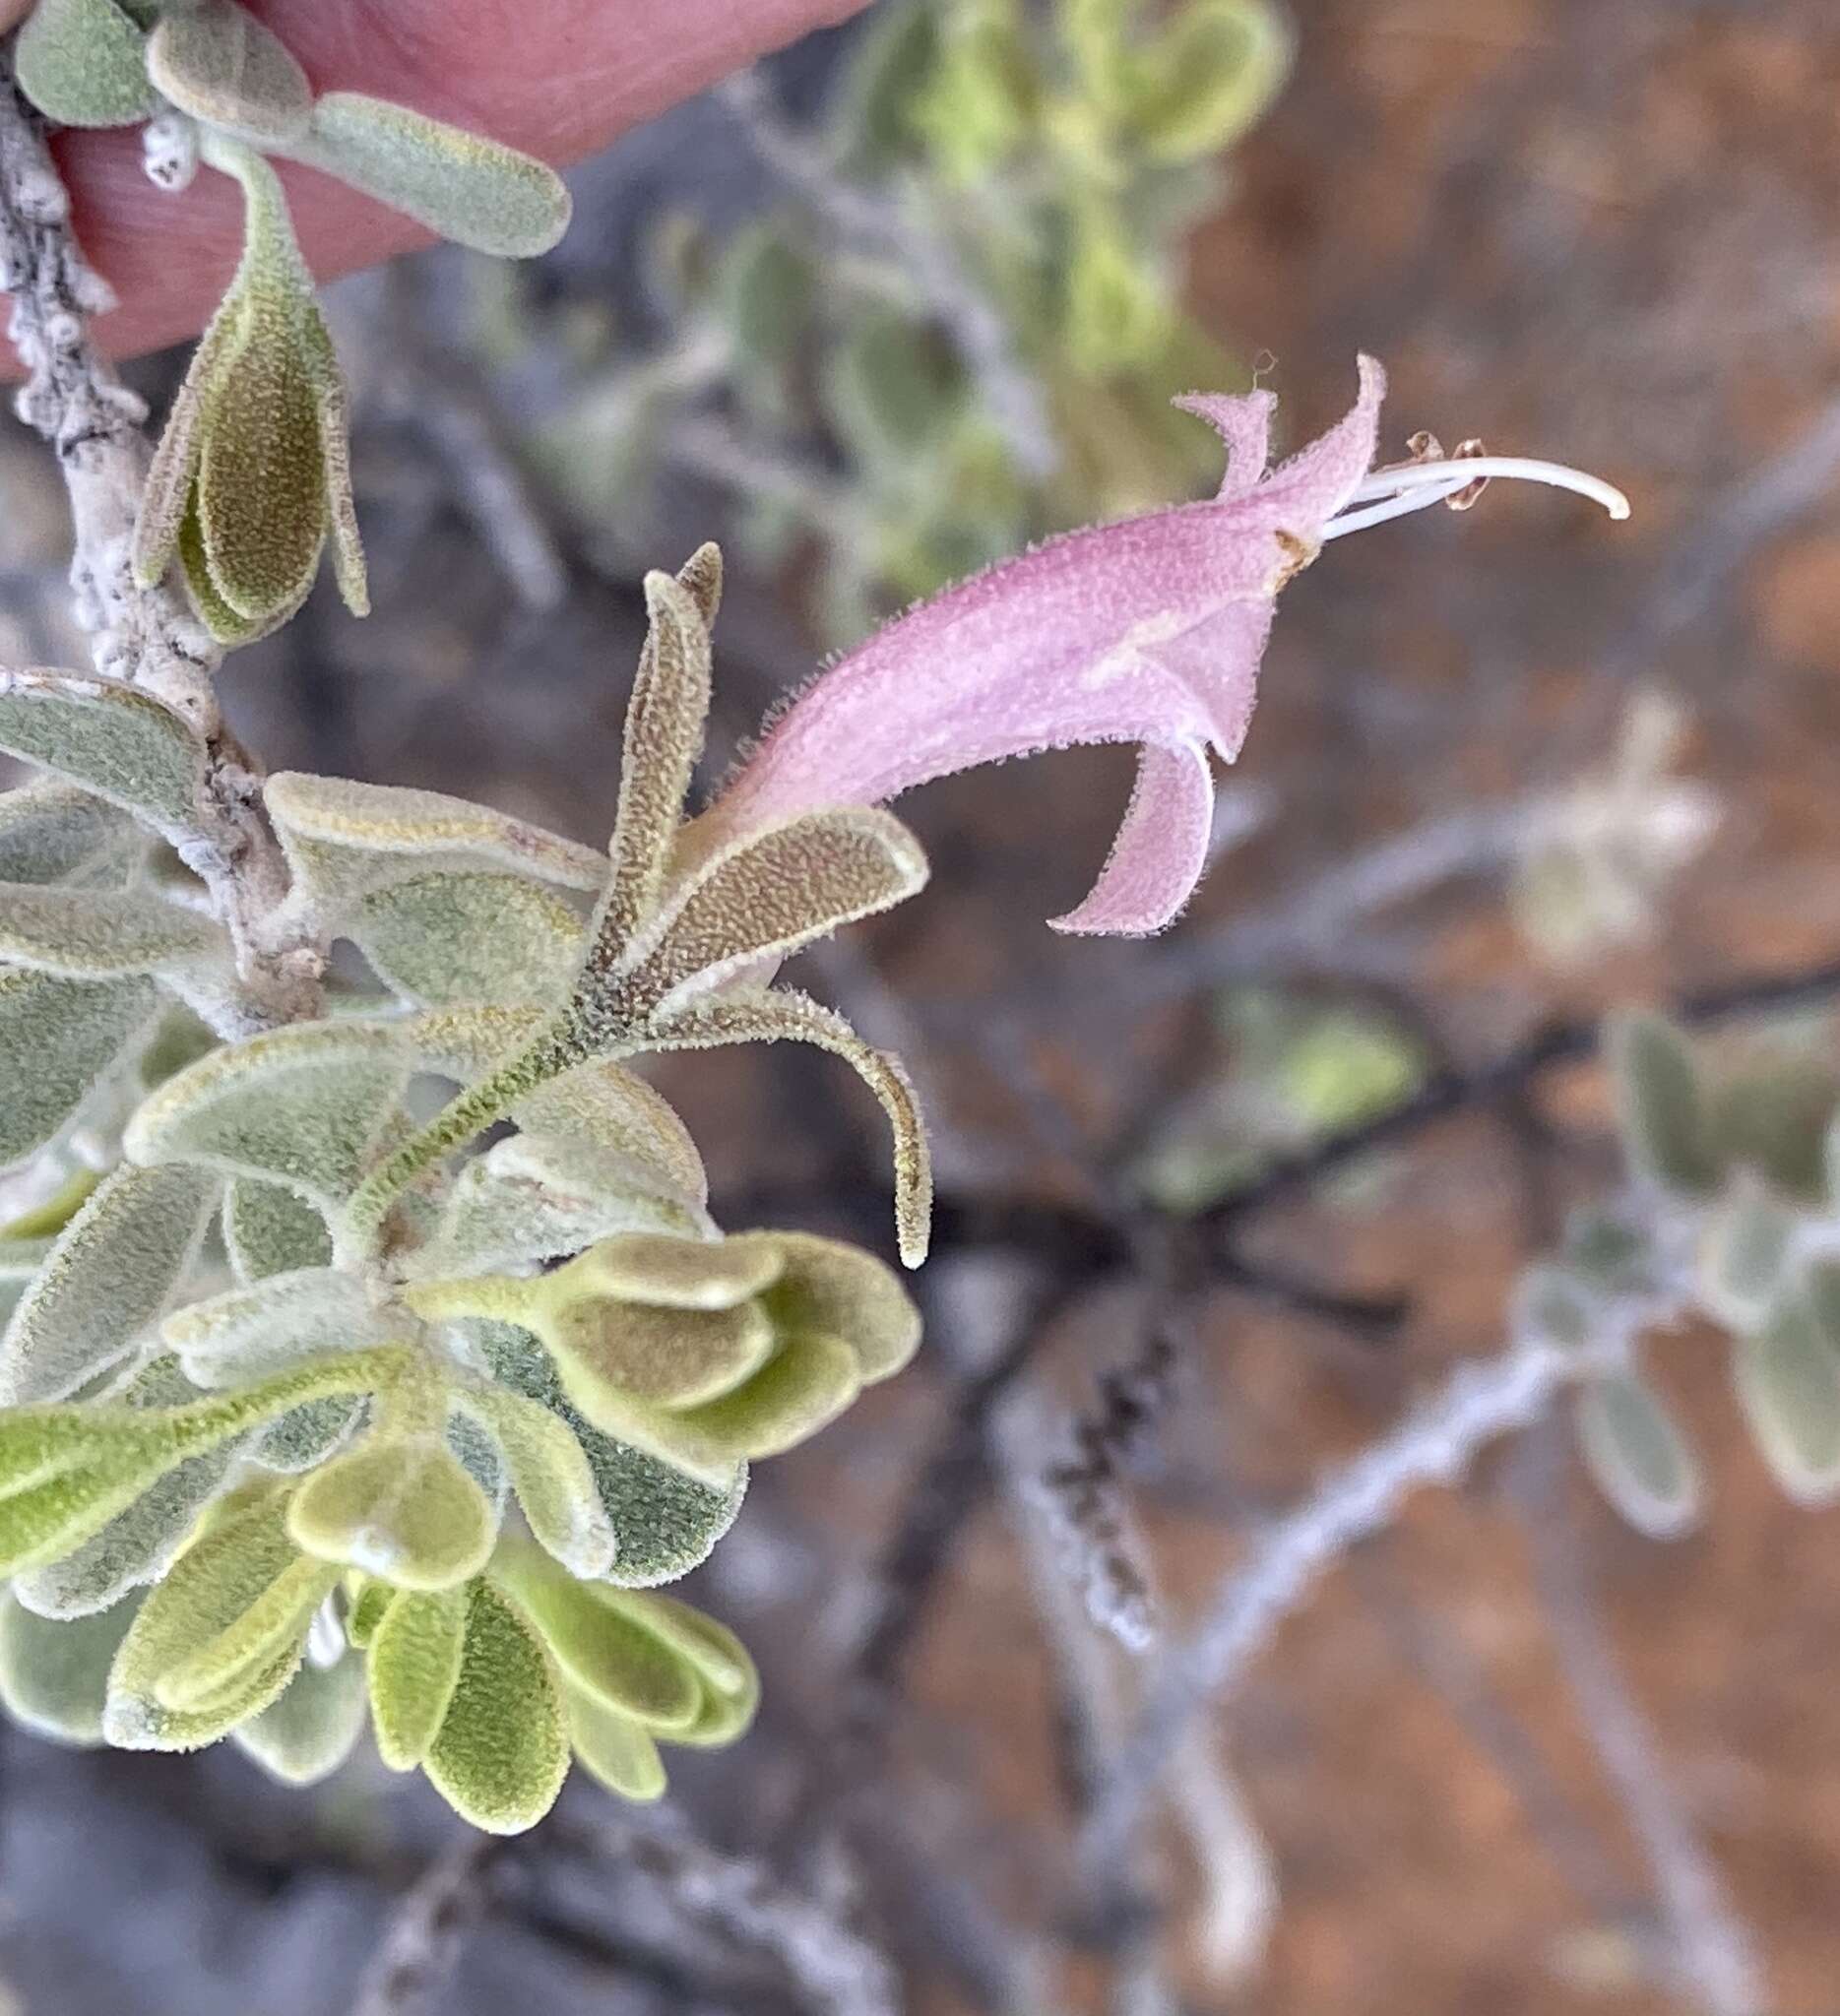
pixel 1667 1122
pixel 59 1039
pixel 1788 1381
pixel 54 1676
pixel 1638 1456
pixel 312 1727
pixel 83 63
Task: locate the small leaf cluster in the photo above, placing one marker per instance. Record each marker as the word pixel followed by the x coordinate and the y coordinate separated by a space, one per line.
pixel 1735 1220
pixel 317 1411
pixel 1058 158
pixel 252 478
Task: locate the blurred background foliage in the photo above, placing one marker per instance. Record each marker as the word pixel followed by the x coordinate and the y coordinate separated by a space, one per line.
pixel 916 293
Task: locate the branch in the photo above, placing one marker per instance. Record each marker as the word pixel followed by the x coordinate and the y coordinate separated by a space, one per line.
pixel 423 1938
pixel 144 637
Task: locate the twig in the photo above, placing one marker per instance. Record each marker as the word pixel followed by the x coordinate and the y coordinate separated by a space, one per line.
pixel 1437 1443
pixel 419 1949
pixel 834 1969
pixel 145 637
pixel 1709 1949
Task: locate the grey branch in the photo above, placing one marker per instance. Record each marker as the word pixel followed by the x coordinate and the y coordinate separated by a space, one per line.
pixel 144 637
pixel 424 1939
pixel 1435 1444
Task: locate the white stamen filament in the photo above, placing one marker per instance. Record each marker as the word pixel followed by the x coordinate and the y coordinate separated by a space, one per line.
pixel 1417 486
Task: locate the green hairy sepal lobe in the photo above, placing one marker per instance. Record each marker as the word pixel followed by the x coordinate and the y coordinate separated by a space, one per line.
pixel 253 472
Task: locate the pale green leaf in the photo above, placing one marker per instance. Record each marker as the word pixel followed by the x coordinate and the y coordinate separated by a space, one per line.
pixel 664 1523
pixel 764 897
pixel 54 833
pixel 414 1657
pixel 59 1039
pixel 808 1383
pixel 1666 1120
pixel 251 1332
pixel 1638 1457
pixel 535 1198
pixel 100 935
pixel 304 1436
pixel 673 1273
pixel 110 1277
pixel 825 1286
pixel 114 740
pixel 1788 1382
pixel 54 1676
pixel 612 1354
pixel 219 64
pixel 778 1015
pixel 139 1542
pixel 400 1507
pixel 307 1105
pixel 451 937
pixel 314 1726
pixel 1744 1255
pixel 269 1229
pixel 664 737
pixel 220 1637
pixel 552 1477
pixel 460 186
pixel 614 1750
pixel 83 63
pixel 503 1750
pixel 346 839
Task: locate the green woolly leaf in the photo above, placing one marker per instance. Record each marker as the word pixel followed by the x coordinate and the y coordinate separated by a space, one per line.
pixel 304 1436
pixel 114 740
pixel 402 1507
pixel 261 490
pixel 346 839
pixel 227 625
pixel 765 293
pixel 1822 1289
pixel 825 1286
pixel 767 896
pixel 416 1648
pixel 269 1229
pixel 1638 1457
pixel 884 73
pixel 600 1104
pixel 111 1275
pixel 284 1318
pixel 503 1750
pixel 139 1543
pixel 220 1637
pixel 614 1751
pixel 222 66
pixel 66 1471
pixel 530 1198
pixel 653 1355
pixel 552 1477
pixel 313 1727
pixel 462 187
pixel 54 1676
pixel 664 725
pixel 730 1684
pixel 448 939
pixel 777 1015
pixel 307 1105
pixel 83 63
pixel 1788 1382
pixel 100 935
pixel 664 1523
pixel 808 1382
pixel 1667 1124
pixel 367 1607
pixel 59 1039
pixel 674 1273
pixel 607 1654
pixel 54 833
pixel 181 1039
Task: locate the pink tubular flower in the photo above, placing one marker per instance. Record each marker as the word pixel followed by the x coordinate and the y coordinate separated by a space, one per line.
pixel 1147 631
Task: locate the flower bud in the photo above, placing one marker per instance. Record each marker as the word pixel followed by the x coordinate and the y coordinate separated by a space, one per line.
pixel 253 470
